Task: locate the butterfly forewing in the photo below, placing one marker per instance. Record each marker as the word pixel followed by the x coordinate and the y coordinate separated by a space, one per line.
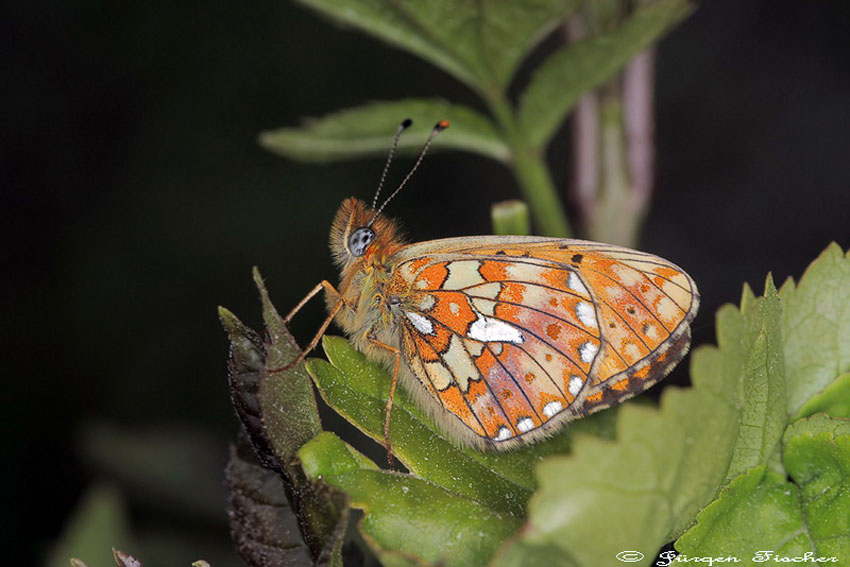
pixel 515 335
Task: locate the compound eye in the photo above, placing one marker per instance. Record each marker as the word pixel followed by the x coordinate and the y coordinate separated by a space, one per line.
pixel 360 240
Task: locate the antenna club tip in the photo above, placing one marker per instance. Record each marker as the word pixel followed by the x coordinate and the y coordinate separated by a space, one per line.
pixel 441 125
pixel 405 123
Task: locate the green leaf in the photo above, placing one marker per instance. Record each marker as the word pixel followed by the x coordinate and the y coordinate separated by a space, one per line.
pixel 815 326
pixel 761 392
pixel 817 457
pixel 746 371
pixel 834 400
pixel 574 69
pixel 667 463
pixel 408 518
pixel 815 425
pixel 761 510
pixel 368 130
pixel 510 217
pixel 98 523
pixel 358 390
pixel 758 511
pixel 480 43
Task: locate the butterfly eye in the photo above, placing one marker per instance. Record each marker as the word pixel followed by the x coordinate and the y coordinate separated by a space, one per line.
pixel 360 240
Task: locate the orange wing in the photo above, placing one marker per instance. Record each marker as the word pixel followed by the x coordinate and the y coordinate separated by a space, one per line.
pixel 516 336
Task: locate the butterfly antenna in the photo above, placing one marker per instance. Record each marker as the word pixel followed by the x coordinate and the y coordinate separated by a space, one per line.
pixel 405 124
pixel 439 127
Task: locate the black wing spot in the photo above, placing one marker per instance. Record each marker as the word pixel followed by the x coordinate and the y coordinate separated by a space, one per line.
pixel 577 258
pixel 631 310
pixel 501 253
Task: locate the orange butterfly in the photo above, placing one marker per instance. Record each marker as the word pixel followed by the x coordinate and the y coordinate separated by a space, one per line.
pixel 504 339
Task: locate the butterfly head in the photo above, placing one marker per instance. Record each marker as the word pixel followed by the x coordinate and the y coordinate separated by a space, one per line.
pixel 357 234
pixel 362 233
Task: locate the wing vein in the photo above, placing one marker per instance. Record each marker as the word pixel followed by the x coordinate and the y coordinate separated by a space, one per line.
pixel 540 366
pixel 513 378
pixel 524 306
pixel 486 383
pixel 630 292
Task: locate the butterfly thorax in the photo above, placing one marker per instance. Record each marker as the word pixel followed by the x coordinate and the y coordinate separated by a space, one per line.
pixel 368 307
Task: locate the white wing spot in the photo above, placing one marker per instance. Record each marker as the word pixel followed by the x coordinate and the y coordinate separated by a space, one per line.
pixel 628 275
pixel 651 331
pixel 504 433
pixel 426 302
pixel 587 352
pixel 575 386
pixel 420 322
pixel 552 408
pixel 462 273
pixel 454 308
pixel 525 424
pixel 488 330
pixel 586 314
pixel 574 283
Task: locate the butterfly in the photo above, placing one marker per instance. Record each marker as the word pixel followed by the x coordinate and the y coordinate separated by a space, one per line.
pixel 504 339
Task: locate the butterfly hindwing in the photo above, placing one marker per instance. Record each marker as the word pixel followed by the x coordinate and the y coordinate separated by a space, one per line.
pixel 516 335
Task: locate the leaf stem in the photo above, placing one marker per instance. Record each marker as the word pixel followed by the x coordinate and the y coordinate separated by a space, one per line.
pixel 532 174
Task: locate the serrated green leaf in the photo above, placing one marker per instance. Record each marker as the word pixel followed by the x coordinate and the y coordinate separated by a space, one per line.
pixel 510 217
pixel 817 424
pixel 834 400
pixel 574 69
pixel 761 391
pixel 815 326
pixel 641 488
pixel 368 130
pixel 405 515
pixel 746 371
pixel 479 43
pixel 758 511
pixel 359 389
pixel 761 510
pixel 668 463
pixel 98 523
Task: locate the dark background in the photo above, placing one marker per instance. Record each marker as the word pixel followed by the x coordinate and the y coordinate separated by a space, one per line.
pixel 135 199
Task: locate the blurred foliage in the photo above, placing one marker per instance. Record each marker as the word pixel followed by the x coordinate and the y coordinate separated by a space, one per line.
pixel 98 524
pixel 510 217
pixel 482 45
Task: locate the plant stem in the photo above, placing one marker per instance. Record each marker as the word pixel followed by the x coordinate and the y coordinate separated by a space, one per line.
pixel 613 132
pixel 531 173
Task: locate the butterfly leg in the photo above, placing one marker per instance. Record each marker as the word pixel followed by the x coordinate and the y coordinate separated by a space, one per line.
pixel 397 353
pixel 340 302
pixel 315 340
pixel 323 285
